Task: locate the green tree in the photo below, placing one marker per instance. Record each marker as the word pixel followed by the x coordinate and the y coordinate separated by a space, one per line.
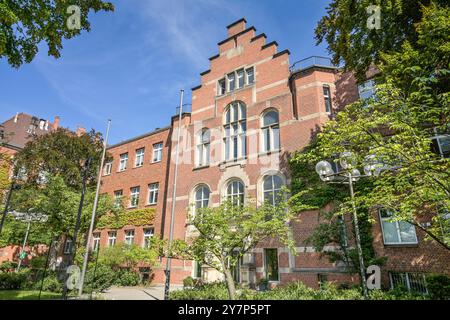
pixel 394 129
pixel 61 153
pixel 225 233
pixel 25 24
pixel 350 41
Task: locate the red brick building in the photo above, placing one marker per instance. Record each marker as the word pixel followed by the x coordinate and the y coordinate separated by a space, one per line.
pixel 251 110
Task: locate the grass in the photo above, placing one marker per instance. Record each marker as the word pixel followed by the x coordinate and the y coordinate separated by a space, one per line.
pixel 27 295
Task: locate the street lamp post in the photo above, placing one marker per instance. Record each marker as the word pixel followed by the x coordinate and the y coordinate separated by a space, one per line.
pixel 349 175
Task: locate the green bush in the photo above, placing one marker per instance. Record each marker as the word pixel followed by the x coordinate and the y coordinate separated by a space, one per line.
pixel 8 266
pixel 188 282
pixel 438 286
pixel 50 284
pixel 13 280
pixel 127 278
pixel 209 291
pixel 104 278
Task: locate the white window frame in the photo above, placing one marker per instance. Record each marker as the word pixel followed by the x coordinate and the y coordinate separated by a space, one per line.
pixel 235 193
pixel 222 90
pixel 200 203
pixel 248 71
pixel 271 130
pixel 148 236
pixel 273 190
pixel 112 238
pixel 327 97
pixel 153 192
pixel 397 227
pixel 123 162
pixel 129 236
pixel 235 132
pixel 366 86
pixel 108 168
pixel 157 152
pixel 134 194
pixel 240 74
pixel 139 160
pixel 68 246
pixel 203 148
pixel 407 276
pixel 231 78
pixel 96 237
pixel 118 198
pixel 437 136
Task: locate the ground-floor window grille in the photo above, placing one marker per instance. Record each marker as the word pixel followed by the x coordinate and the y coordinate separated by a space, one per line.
pixel 413 282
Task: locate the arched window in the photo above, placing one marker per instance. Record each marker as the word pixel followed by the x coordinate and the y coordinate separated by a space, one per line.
pixel 270 131
pixel 203 148
pixel 202 194
pixel 272 189
pixel 235 192
pixel 235 128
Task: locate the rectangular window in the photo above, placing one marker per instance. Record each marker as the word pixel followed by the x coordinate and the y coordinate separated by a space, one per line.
pixel 134 196
pixel 123 161
pixel 240 78
pixel 366 89
pixel 129 237
pixel 96 242
pixel 327 98
pixel 440 144
pixel 197 270
pixel 139 157
pixel 153 193
pixel 222 89
pixel 68 246
pixel 112 237
pixel 118 196
pixel 396 232
pixel 342 231
pixel 148 234
pixel 271 264
pixel 157 152
pixel 231 81
pixel 250 75
pixel 107 169
pixel 413 282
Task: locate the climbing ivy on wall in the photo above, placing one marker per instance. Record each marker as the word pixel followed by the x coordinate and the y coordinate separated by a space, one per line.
pixel 137 217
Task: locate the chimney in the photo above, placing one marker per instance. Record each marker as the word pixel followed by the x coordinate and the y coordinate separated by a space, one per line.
pixel 236 27
pixel 55 125
pixel 80 131
pixel 16 117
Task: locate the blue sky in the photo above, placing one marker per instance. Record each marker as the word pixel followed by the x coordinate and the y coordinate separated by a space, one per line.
pixel 133 63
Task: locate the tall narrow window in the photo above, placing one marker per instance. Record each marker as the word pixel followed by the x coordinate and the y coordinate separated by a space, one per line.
pixel 96 242
pixel 231 81
pixel 134 196
pixel 271 264
pixel 235 192
pixel 118 196
pixel 148 234
pixel 129 237
pixel 250 75
pixel 396 232
pixel 202 197
pixel 272 189
pixel 107 169
pixel 240 78
pixel 68 246
pixel 153 193
pixel 112 237
pixel 123 161
pixel 222 87
pixel 235 129
pixel 139 157
pixel 203 148
pixel 271 131
pixel 197 270
pixel 157 152
pixel 327 98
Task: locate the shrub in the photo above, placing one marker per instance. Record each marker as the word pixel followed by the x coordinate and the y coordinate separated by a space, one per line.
pixel 127 278
pixel 209 291
pixel 50 284
pixel 104 278
pixel 13 280
pixel 8 266
pixel 188 282
pixel 438 286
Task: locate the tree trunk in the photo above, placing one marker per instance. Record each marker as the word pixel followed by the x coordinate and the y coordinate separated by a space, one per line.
pixel 229 280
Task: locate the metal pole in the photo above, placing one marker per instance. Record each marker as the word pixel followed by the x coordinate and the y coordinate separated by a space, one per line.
pixel 94 211
pixel 24 243
pixel 95 272
pixel 358 239
pixel 5 211
pixel 45 268
pixel 77 225
pixel 174 194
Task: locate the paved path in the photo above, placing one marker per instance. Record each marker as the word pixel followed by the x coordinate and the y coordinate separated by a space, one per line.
pixel 135 293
